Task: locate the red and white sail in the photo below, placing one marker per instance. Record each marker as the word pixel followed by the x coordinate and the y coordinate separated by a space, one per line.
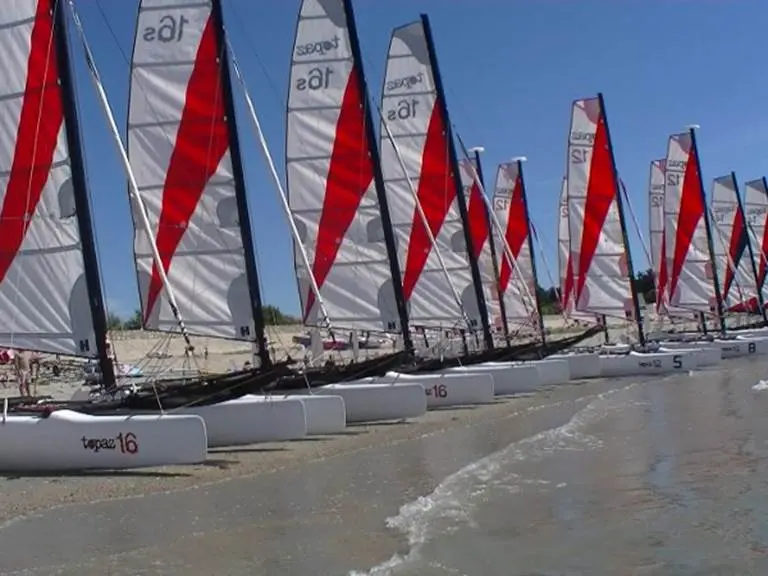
pixel 479 230
pixel 516 279
pixel 756 214
pixel 690 281
pixel 178 145
pixel 44 300
pixel 656 224
pixel 598 254
pixel 730 243
pixel 331 191
pixel 412 112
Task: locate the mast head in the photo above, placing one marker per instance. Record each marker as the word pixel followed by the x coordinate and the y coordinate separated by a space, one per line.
pixel 692 127
pixel 476 149
pixel 520 159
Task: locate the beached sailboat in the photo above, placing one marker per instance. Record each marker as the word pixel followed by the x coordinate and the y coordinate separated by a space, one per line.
pixel 694 285
pixel 599 250
pixel 50 292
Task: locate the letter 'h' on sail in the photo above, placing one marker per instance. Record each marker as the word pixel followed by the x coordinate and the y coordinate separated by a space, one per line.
pixel 182 144
pixel 50 295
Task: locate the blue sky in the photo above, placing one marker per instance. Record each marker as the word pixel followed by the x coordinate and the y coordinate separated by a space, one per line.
pixel 510 68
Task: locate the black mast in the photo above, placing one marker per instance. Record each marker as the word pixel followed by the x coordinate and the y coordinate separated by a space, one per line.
pixel 378 178
pixel 530 247
pixel 710 246
pixel 80 190
pixel 492 245
pixel 240 194
pixel 622 222
pixel 749 246
pixel 454 168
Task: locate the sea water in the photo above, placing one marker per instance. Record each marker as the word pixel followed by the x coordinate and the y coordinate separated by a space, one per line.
pixel 666 476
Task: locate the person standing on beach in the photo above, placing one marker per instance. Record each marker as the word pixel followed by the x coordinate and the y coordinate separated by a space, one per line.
pixel 23 374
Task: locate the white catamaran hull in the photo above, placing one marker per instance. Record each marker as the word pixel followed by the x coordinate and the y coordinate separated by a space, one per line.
pixel 508 377
pixel 251 419
pixel 551 371
pixel 448 389
pixel 582 365
pixel 68 440
pixel 326 414
pixel 368 402
pixel 651 363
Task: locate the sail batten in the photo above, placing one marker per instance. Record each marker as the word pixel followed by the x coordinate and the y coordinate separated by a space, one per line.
pixel 179 147
pixel 45 295
pixel 413 117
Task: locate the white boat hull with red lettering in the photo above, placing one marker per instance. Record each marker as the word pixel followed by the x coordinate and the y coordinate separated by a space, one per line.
pixel 67 441
pixel 446 389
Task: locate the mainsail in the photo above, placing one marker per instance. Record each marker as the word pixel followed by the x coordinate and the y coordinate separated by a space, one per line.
pixel 483 244
pixel 731 247
pixel 686 234
pixel 756 209
pixel 50 297
pixel 517 281
pixel 331 164
pixel 412 112
pixel 599 256
pixel 656 224
pixel 181 141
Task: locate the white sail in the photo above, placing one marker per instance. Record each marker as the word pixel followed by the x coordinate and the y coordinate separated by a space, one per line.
pixel 598 253
pixel 656 224
pixel 690 280
pixel 756 213
pixel 330 177
pixel 479 230
pixel 411 110
pixel 44 299
pixel 178 145
pixel 512 215
pixel 729 240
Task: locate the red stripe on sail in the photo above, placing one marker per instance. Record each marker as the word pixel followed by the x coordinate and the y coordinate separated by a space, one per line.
pixel 601 192
pixel 477 216
pixel 40 121
pixel 202 140
pixel 515 235
pixel 691 212
pixel 436 193
pixel 736 249
pixel 349 174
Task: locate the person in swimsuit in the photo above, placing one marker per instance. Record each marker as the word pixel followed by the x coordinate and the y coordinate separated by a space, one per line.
pixel 21 364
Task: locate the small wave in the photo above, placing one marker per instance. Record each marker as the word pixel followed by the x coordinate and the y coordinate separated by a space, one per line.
pixel 760 386
pixel 450 505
